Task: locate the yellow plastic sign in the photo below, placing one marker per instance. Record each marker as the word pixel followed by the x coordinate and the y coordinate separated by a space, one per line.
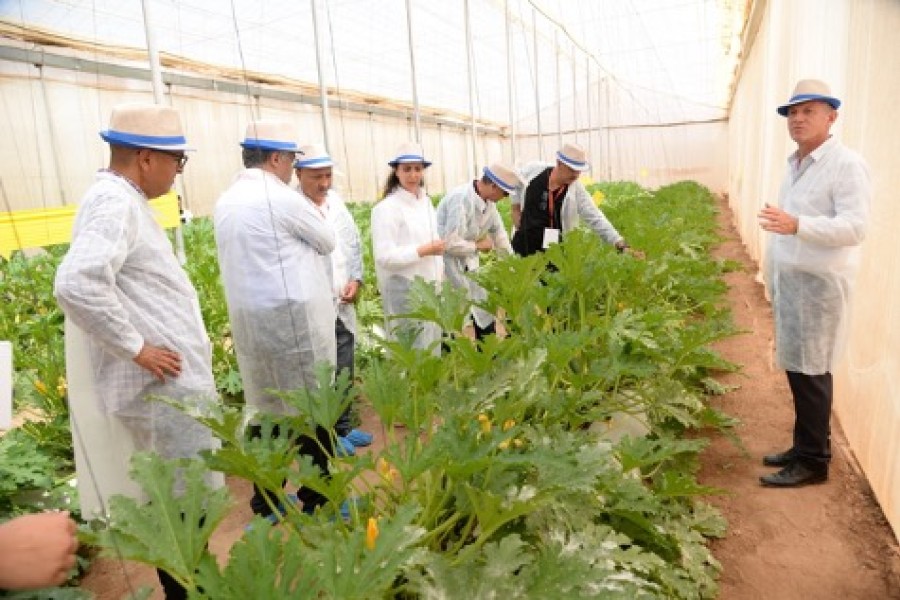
pixel 37 228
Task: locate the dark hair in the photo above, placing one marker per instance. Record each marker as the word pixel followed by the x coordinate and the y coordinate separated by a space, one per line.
pixel 393 182
pixel 487 180
pixel 254 157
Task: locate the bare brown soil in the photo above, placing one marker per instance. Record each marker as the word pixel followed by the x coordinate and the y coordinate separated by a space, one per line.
pixel 819 542
pixel 823 542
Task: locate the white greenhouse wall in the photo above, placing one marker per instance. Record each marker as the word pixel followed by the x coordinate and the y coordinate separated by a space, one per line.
pixel 51 149
pixel 651 156
pixel 853 45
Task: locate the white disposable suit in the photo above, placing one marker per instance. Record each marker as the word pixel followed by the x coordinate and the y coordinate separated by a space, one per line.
pixel 810 274
pixel 464 218
pixel 120 286
pixel 274 253
pixel 401 223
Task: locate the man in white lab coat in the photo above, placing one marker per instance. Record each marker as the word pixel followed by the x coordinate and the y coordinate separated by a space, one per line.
pixel 551 202
pixel 133 324
pixel 274 252
pixel 812 259
pixel 314 174
pixel 468 222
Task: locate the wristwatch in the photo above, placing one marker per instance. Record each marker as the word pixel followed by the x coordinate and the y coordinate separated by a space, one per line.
pixel 621 246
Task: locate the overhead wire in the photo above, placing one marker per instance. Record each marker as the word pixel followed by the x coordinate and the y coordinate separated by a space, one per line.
pixel 340 108
pixel 265 181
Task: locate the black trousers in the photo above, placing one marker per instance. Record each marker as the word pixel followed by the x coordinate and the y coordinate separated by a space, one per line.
pixel 481 333
pixel 345 351
pixel 172 590
pixel 306 446
pixel 813 395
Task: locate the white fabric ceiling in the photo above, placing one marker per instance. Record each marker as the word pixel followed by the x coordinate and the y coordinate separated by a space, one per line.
pixel 671 60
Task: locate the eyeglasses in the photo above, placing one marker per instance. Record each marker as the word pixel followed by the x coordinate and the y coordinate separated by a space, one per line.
pixel 181 158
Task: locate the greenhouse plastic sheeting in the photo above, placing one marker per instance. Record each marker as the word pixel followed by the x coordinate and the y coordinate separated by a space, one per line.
pixel 639 84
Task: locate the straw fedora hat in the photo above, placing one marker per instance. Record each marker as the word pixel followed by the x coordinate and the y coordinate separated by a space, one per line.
pixel 271 135
pixel 505 178
pixel 145 125
pixel 409 153
pixel 573 156
pixel 808 90
pixel 314 156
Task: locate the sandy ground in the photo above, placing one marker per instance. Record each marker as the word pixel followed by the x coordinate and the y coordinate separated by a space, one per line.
pixel 823 542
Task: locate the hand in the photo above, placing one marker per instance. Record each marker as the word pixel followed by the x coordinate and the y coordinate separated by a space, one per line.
pixel 433 248
pixel 484 244
pixel 638 254
pixel 37 551
pixel 159 361
pixel 775 220
pixel 348 294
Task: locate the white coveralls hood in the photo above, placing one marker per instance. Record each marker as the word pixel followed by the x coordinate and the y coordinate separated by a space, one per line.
pixel 274 251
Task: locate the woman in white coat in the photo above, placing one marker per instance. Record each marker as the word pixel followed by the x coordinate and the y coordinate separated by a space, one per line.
pixel 406 245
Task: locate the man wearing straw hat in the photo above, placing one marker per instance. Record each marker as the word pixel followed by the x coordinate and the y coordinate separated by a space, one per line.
pixel 314 172
pixel 551 202
pixel 811 261
pixel 274 257
pixel 133 324
pixel 468 222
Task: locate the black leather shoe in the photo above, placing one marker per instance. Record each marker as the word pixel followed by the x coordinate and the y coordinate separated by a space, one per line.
pixel 795 474
pixel 782 459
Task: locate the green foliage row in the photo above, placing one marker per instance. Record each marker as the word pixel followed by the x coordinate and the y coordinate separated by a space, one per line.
pixel 504 470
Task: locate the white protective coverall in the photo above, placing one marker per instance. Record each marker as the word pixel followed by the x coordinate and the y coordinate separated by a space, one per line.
pixel 463 218
pixel 401 223
pixel 120 286
pixel 346 260
pixel 810 275
pixel 578 206
pixel 274 248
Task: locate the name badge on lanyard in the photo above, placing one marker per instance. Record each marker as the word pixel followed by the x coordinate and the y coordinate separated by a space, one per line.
pixel 551 234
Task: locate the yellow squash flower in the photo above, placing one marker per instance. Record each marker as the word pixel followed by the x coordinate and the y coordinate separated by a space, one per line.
pixel 485 423
pixel 371 533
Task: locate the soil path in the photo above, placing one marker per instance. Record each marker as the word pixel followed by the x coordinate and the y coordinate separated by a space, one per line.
pixel 823 542
pixel 820 542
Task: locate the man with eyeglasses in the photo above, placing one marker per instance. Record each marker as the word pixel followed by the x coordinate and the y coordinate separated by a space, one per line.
pixel 133 324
